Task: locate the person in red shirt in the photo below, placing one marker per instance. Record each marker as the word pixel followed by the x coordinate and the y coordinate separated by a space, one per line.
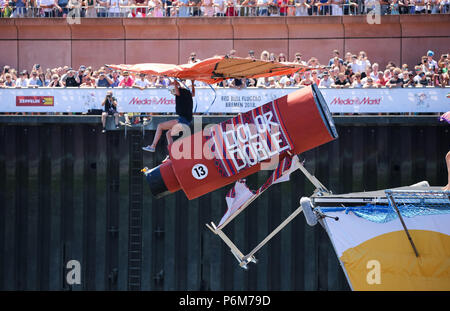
pixel 283 6
pixel 127 80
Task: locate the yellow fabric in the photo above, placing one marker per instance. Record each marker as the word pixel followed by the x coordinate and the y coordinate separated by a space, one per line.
pixel 400 269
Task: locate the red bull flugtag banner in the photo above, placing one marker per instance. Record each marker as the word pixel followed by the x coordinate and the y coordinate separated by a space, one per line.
pixel 221 100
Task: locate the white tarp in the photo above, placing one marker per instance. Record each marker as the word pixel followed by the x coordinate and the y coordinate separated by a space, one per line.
pixel 224 100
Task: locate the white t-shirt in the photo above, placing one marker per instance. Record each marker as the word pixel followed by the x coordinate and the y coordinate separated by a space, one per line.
pixel 141 83
pixel 363 65
pixel 114 6
pixel 22 82
pixel 46 3
pixel 33 82
pixel 326 83
pixel 221 6
pixel 374 76
pixel 355 84
pixel 432 63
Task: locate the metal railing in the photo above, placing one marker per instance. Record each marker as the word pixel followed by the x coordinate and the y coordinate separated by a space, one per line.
pixel 358 7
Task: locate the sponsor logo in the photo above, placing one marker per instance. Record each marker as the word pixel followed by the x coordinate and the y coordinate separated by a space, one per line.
pixel 151 101
pixel 356 101
pixel 35 101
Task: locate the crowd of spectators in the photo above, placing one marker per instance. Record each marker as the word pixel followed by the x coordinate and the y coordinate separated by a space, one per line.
pixel 350 71
pixel 186 8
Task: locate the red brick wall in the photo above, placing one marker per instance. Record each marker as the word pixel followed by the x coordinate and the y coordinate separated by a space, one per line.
pixel 402 39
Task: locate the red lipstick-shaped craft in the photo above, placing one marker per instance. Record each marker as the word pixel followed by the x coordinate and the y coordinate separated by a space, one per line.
pixel 240 146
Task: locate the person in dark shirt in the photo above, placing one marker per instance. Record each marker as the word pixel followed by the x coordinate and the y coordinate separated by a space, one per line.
pixel 341 82
pixel 110 104
pixel 183 107
pixel 395 81
pixel 71 79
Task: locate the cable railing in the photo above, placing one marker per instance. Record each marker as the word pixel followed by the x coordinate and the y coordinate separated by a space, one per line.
pixel 155 9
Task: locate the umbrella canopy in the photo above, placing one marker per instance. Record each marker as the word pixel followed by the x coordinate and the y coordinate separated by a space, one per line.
pixel 216 69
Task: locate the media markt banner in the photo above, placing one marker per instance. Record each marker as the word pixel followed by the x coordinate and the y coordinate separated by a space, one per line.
pixel 222 100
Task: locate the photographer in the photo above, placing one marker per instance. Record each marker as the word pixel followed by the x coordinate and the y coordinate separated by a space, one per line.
pixel 110 104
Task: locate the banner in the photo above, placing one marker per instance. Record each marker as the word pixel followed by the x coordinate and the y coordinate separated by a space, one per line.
pixel 222 100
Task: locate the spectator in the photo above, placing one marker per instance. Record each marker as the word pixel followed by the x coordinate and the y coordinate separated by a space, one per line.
pixel 9 82
pixel 103 79
pixel 71 79
pixel 20 8
pixel 394 7
pixel 290 10
pixel 207 7
pixel 285 81
pixel 141 83
pixel 297 80
pixel 324 7
pixel 354 64
pixel 408 79
pixel 263 7
pixel 420 6
pixel 193 58
pixel 115 79
pixel 298 59
pixel 272 57
pixel 90 10
pixel 424 65
pixel 334 73
pixel 336 7
pixel 155 82
pixel 395 81
pixel 281 58
pixel 61 8
pixel 384 7
pixel 195 7
pixel 46 7
pixel 314 77
pixel 335 58
pixel 263 82
pixel 232 53
pixel 313 62
pixel 326 81
pixel 312 10
pixel 88 82
pixel 383 78
pixel 338 64
pixel 127 81
pixel 219 7
pixel 113 8
pixel 251 54
pixel 23 80
pixel 301 8
pixel 357 83
pixel 341 82
pixel 349 72
pixel 273 84
pixel 265 56
pixel 231 8
pixel 431 62
pixel 424 80
pixel 34 80
pixel 307 80
pixel 42 80
pixel 55 82
pixel 444 6
pixel 369 83
pixel 81 72
pixel 183 8
pixel 141 8
pixel 363 62
pixel 110 104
